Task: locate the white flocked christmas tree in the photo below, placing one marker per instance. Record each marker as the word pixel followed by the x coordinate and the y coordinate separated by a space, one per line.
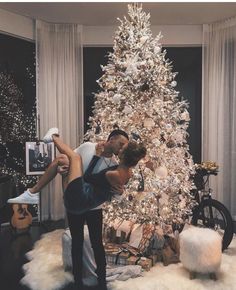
pixel 138 96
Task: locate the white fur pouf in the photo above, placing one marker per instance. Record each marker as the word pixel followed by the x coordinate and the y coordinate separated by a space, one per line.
pixel 200 250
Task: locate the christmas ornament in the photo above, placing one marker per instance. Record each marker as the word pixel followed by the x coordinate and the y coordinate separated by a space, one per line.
pixel 148 123
pixel 143 39
pixel 127 110
pixel 161 172
pixel 173 84
pixel 116 98
pixel 185 116
pixel 138 96
pixel 157 49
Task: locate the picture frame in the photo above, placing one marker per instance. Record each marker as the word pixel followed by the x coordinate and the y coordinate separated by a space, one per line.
pixel 38 157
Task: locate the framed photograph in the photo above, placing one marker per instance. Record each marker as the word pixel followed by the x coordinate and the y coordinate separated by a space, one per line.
pixel 38 156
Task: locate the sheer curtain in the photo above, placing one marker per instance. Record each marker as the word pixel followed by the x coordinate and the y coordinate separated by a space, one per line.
pixel 219 107
pixel 59 95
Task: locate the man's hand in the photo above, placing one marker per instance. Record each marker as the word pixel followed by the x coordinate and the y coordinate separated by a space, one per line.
pixel 100 148
pixel 63 170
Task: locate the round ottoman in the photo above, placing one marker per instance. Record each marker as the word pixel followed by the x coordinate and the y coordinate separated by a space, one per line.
pixel 200 251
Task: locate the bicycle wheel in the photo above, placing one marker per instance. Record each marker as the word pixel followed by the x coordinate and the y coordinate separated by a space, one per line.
pixel 213 214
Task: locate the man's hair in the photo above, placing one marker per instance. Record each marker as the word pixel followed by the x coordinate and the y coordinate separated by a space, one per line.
pixel 116 133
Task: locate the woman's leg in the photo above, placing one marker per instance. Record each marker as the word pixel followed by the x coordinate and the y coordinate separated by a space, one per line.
pixel 50 173
pixel 31 195
pixel 75 169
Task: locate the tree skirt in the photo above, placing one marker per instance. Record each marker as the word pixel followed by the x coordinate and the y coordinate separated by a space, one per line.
pixel 45 271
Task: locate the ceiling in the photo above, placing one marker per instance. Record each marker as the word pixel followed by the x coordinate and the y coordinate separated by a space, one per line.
pixel 106 13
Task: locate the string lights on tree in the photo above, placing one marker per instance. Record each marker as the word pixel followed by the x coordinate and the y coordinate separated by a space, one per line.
pixel 16 128
pixel 138 96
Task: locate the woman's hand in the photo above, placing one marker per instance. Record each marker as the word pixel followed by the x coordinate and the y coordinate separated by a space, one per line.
pixel 119 189
pixel 100 148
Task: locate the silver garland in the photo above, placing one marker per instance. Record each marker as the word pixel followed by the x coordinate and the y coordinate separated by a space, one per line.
pixel 138 96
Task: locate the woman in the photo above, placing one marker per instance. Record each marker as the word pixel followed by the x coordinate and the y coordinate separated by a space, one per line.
pixel 77 197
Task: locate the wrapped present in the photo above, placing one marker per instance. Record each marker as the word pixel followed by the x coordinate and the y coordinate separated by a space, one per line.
pixel 125 255
pixel 169 256
pixel 155 258
pixel 112 248
pixel 141 237
pixel 148 233
pixel 158 255
pixel 118 231
pixel 113 235
pixel 170 252
pixel 144 262
pixel 117 258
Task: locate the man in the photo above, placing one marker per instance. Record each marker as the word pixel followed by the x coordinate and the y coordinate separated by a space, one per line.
pixel 115 142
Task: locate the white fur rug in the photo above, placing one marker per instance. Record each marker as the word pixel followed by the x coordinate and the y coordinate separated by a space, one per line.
pixel 45 271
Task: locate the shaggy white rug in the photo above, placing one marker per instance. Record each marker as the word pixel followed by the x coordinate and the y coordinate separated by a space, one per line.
pixel 45 271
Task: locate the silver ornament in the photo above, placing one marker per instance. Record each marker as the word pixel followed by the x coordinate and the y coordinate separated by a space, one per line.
pixel 173 84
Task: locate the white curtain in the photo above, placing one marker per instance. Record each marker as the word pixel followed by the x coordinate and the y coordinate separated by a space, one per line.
pixel 219 107
pixel 59 95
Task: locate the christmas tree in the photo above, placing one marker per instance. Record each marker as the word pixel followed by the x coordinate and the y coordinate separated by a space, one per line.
pixel 17 127
pixel 138 96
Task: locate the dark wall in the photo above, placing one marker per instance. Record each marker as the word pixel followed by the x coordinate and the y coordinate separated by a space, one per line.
pixel 17 58
pixel 187 61
pixel 17 103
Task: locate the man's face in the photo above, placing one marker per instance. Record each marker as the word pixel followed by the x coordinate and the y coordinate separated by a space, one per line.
pixel 117 143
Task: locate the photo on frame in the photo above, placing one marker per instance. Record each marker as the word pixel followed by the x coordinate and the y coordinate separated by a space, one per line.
pixel 38 157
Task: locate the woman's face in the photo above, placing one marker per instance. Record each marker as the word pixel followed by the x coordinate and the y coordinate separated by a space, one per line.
pixel 120 154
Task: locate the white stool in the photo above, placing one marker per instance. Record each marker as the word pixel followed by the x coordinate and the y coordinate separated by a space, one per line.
pixel 200 251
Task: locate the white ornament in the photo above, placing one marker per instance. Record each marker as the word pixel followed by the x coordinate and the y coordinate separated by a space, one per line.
pixel 156 142
pixel 164 211
pixel 131 68
pixel 185 116
pixel 164 199
pixel 151 62
pixel 178 137
pixel 168 127
pixel 148 123
pixel 127 110
pixel 182 204
pixel 173 84
pixel 157 49
pixel 161 172
pixel 116 98
pixel 143 39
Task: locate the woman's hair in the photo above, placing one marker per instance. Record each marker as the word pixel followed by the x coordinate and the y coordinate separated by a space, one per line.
pixel 133 153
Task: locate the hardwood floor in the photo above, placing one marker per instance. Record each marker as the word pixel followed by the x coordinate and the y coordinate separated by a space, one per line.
pixel 12 254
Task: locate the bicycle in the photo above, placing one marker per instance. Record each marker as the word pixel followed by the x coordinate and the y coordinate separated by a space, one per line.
pixel 210 212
